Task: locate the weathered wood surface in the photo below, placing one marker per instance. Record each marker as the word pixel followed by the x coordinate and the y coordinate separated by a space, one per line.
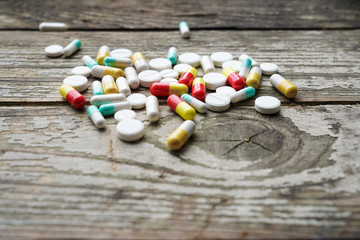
pixel 164 14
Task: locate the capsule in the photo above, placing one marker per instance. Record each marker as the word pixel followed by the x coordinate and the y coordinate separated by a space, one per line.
pixel 188 76
pixel 118 62
pixel 181 107
pixel 195 103
pixel 72 96
pixel 96 116
pixel 184 30
pixel 245 68
pixel 112 108
pixel 99 100
pixel 179 137
pixel 108 84
pixel 233 78
pixel 132 77
pixel 103 52
pixel 139 62
pixel 123 86
pixel 165 89
pixel 253 62
pixel 97 88
pixel 254 77
pixel 172 55
pixel 198 89
pixel 243 94
pixel 88 61
pixel 152 109
pixel 207 65
pixel 284 86
pixel 72 47
pixel 99 71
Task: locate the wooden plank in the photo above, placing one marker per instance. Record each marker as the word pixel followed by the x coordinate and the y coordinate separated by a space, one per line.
pixel 242 175
pixel 162 14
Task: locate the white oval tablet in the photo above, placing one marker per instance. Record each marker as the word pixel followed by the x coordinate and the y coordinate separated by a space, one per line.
pixel 217 102
pixel 159 64
pixel 219 58
pixel 124 114
pixel 148 77
pixel 54 51
pixel 79 83
pixel 192 59
pixel 269 68
pixel 130 130
pixel 169 80
pixel 137 100
pixel 169 73
pixel 226 90
pixel 234 64
pixel 81 70
pixel 181 68
pixel 121 52
pixel 267 105
pixel 214 80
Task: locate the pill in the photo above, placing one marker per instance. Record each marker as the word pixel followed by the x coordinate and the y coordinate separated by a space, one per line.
pixel 192 59
pixel 121 52
pixel 137 100
pixel 72 96
pixel 226 90
pixel 267 105
pixel 88 61
pixel 217 102
pixel 152 108
pixel 219 58
pixel 99 100
pixel 97 88
pixel 242 94
pixel 245 68
pixel 54 51
pixel 81 70
pixel 112 108
pixel 72 47
pixel 124 114
pixel 52 26
pixel 234 64
pixel 118 62
pixel 130 130
pixel 139 62
pixel 79 83
pixel 195 103
pixel 148 77
pixel 184 29
pixel 166 89
pixel 234 78
pixel 108 85
pixel 269 68
pixel 254 77
pixel 207 64
pixel 214 80
pixel 181 107
pixel 100 71
pixel 253 62
pixel 160 64
pixel 188 76
pixel 132 77
pixel 198 89
pixel 96 116
pixel 181 68
pixel 172 55
pixel 169 80
pixel 284 86
pixel 169 73
pixel 103 52
pixel 179 137
pixel 123 86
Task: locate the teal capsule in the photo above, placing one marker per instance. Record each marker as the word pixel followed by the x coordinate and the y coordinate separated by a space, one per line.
pixel 97 88
pixel 245 68
pixel 118 62
pixel 72 47
pixel 96 116
pixel 88 61
pixel 242 94
pixel 195 103
pixel 172 55
pixel 112 108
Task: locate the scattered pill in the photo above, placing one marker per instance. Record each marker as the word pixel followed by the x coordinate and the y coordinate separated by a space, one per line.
pixel 242 94
pixel 166 89
pixel 169 80
pixel 214 80
pixel 269 68
pixel 254 77
pixel 198 89
pixel 88 61
pixel 267 105
pixel 137 100
pixel 103 52
pixel 226 90
pixel 180 136
pixel 184 29
pixel 100 71
pixel 132 77
pixel 245 68
pixel 96 116
pixel 79 83
pixel 81 70
pixel 195 103
pixel 181 107
pixel 130 130
pixel 152 109
pixel 207 64
pixel 284 86
pixel 52 26
pixel 219 58
pixel 139 62
pixel 253 62
pixel 72 96
pixel 121 53
pixel 123 86
pixel 233 78
pixel 181 68
pixel 112 108
pixel 72 47
pixel 234 64
pixel 217 102
pixel 108 85
pixel 169 73
pixel 118 62
pixel 97 88
pixel 160 64
pixel 172 55
pixel 192 59
pixel 54 51
pixel 124 114
pixel 188 76
pixel 148 77
pixel 99 100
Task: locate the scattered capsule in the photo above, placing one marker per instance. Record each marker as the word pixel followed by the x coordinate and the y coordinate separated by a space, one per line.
pixel 152 109
pixel 253 62
pixel 88 61
pixel 243 94
pixel 181 107
pixel 96 116
pixel 99 100
pixel 233 78
pixel 108 84
pixel 72 47
pixel 103 52
pixel 97 88
pixel 72 96
pixel 123 86
pixel 112 108
pixel 284 86
pixel 118 62
pixel 188 76
pixel 184 30
pixel 99 71
pixel 207 65
pixel 139 62
pixel 52 26
pixel 166 89
pixel 179 137
pixel 198 89
pixel 254 77
pixel 195 103
pixel 132 77
pixel 245 68
pixel 172 55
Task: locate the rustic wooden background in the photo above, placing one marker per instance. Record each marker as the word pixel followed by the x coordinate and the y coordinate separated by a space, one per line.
pixel 242 175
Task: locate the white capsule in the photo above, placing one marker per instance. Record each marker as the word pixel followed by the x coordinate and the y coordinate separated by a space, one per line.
pixel 72 47
pixel 96 117
pixel 207 65
pixel 99 100
pixel 184 30
pixel 152 108
pixel 132 77
pixel 52 26
pixel 139 62
pixel 123 86
pixel 253 62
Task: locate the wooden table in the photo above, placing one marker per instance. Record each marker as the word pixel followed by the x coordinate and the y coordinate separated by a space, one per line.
pixel 242 175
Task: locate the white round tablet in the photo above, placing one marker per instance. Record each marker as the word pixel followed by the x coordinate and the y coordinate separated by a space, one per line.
pixel 54 51
pixel 234 64
pixel 148 77
pixel 269 68
pixel 137 100
pixel 124 114
pixel 130 130
pixel 226 90
pixel 159 64
pixel 217 102
pixel 214 80
pixel 267 105
pixel 81 70
pixel 219 58
pixel 192 59
pixel 79 83
pixel 121 52
pixel 169 80
pixel 169 73
pixel 181 68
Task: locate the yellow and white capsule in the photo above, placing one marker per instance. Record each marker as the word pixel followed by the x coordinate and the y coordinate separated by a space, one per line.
pixel 108 84
pixel 179 137
pixel 284 86
pixel 100 71
pixel 254 77
pixel 139 62
pixel 103 52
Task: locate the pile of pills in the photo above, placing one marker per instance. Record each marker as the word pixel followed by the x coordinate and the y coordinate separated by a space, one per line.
pixel 121 72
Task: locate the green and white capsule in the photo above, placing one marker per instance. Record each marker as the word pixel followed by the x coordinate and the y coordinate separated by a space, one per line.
pixel 97 88
pixel 195 103
pixel 112 108
pixel 88 61
pixel 118 62
pixel 242 94
pixel 172 55
pixel 72 47
pixel 96 116
pixel 184 30
pixel 245 68
pixel 99 100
